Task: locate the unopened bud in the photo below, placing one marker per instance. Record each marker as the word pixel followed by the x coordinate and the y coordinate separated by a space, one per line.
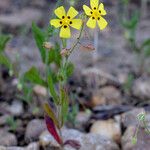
pixel 64 52
pixel 88 47
pixel 47 45
pixel 11 73
pixel 19 86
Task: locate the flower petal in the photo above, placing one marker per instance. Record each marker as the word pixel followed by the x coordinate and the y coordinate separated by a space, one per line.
pixel 72 12
pixel 101 8
pixel 87 10
pixel 60 11
pixel 94 3
pixel 102 23
pixel 91 23
pixel 65 32
pixel 56 23
pixel 76 23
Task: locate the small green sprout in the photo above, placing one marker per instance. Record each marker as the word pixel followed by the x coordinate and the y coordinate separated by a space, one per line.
pixel 134 140
pixel 141 116
pixel 12 123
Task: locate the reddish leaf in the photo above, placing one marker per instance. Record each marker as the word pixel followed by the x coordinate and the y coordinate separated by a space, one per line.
pixel 51 128
pixel 51 114
pixel 73 143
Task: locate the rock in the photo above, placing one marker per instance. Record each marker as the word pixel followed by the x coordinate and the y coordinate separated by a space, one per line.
pixel 2 148
pixel 4 4
pixel 40 90
pixel 31 146
pixel 34 129
pixel 7 139
pixel 16 108
pixel 15 148
pixel 105 112
pixel 141 88
pixel 97 100
pixel 106 95
pixel 38 3
pixel 3 119
pixel 108 128
pixel 82 119
pixel 143 140
pixel 122 77
pixel 130 118
pixel 94 77
pixel 24 17
pixel 87 141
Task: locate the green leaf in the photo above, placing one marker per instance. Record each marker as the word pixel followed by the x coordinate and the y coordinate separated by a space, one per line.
pixel 146 47
pixel 3 41
pixel 5 61
pixel 147 51
pixel 133 22
pixel 52 89
pixel 51 114
pixel 128 84
pixel 64 105
pixel 54 55
pixel 33 76
pixel 146 43
pixel 39 37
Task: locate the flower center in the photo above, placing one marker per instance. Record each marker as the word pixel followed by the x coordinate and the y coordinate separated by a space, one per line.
pixel 96 14
pixel 65 21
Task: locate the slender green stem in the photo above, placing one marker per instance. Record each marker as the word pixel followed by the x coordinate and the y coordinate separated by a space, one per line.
pixel 63 68
pixel 145 126
pixel 95 54
pixel 64 43
pixel 47 71
pixel 77 41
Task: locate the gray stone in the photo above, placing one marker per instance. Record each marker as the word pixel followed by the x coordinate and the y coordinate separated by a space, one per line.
pixel 141 88
pixel 4 4
pixel 7 139
pixel 106 95
pixel 107 128
pixel 20 18
pixel 3 119
pixel 2 148
pixel 16 108
pixel 143 139
pixel 130 118
pixel 88 141
pixel 34 129
pixel 31 146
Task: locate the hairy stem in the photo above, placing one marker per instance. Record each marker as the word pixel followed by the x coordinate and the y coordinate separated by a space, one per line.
pixel 95 53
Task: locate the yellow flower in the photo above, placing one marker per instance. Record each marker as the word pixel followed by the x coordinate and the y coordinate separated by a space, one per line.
pixel 65 21
pixel 95 13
